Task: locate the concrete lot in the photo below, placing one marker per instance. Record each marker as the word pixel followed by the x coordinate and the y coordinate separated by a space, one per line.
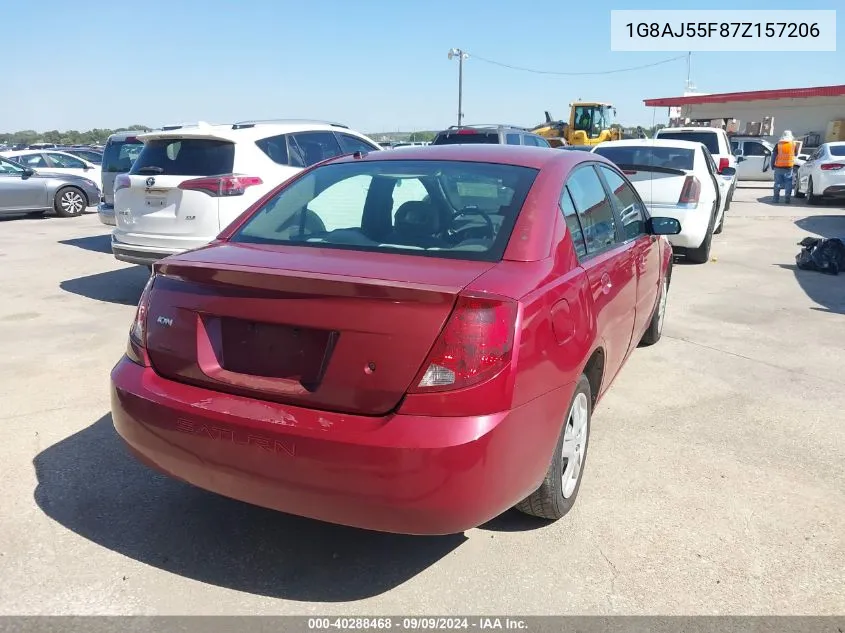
pixel 715 482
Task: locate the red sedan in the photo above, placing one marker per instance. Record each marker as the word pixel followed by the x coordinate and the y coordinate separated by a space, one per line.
pixel 409 341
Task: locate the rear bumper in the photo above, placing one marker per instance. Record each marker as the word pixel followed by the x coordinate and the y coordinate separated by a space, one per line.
pixel 136 249
pixel 398 473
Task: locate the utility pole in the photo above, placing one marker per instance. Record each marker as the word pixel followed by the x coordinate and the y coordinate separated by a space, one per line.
pixel 457 52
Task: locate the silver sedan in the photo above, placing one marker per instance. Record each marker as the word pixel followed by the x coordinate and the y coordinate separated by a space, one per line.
pixel 24 190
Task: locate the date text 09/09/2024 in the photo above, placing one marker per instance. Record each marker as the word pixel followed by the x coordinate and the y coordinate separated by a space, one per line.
pixel 422 623
pixel 723 29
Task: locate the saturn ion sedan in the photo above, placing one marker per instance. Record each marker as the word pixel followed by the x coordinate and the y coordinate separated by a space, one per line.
pixel 409 341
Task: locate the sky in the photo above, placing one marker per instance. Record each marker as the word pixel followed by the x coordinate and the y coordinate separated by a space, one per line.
pixel 374 65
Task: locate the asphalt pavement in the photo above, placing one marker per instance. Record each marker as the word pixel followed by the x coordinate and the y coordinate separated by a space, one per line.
pixel 715 482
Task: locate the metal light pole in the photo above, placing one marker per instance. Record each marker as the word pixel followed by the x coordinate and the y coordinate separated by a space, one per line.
pixel 457 52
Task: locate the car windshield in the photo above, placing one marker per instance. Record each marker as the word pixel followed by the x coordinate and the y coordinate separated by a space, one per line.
pixel 119 155
pixel 185 157
pixel 837 150
pixel 458 210
pixel 639 155
pixel 708 139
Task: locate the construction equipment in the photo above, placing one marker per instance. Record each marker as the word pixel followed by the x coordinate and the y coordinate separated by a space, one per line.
pixel 590 123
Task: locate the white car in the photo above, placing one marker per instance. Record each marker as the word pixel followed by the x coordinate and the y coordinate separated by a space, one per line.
pixel 189 183
pixel 676 179
pixel 754 159
pixel 55 162
pixel 823 175
pixel 716 141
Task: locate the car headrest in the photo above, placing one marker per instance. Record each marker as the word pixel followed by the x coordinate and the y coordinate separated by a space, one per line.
pixel 417 218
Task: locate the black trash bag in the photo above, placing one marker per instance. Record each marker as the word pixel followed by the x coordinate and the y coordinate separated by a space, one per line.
pixel 823 255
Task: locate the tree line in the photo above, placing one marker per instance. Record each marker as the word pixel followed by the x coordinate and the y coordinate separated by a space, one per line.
pixel 68 137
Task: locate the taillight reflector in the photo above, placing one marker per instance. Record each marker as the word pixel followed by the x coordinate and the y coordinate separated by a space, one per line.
pixel 691 191
pixel 136 349
pixel 122 181
pixel 723 164
pixel 832 166
pixel 475 345
pixel 221 186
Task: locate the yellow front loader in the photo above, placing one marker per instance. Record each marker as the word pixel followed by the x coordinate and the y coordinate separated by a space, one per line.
pixel 589 124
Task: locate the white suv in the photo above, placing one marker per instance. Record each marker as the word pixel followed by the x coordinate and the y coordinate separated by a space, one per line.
pixel 189 183
pixel 715 140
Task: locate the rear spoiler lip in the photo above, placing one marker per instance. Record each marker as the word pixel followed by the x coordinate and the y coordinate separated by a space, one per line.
pixel 655 168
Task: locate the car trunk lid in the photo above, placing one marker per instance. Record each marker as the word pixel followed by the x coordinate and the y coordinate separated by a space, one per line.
pixel 319 328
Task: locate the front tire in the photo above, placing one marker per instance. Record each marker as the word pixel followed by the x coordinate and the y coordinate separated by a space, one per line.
pixel 811 197
pixel 556 495
pixel 655 328
pixel 70 202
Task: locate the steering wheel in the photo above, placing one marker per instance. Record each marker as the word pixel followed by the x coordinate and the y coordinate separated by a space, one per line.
pixel 489 229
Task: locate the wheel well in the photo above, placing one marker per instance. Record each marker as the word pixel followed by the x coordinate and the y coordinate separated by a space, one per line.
pixel 594 371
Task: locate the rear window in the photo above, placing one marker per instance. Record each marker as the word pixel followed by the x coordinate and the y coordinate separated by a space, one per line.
pixel 119 155
pixel 709 139
pixel 463 138
pixel 185 157
pixel 450 209
pixel 673 157
pixel 837 150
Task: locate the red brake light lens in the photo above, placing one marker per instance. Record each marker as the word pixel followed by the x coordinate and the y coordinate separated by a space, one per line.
pixel 724 163
pixel 122 181
pixel 466 131
pixel 832 167
pixel 475 345
pixel 691 191
pixel 221 186
pixel 136 349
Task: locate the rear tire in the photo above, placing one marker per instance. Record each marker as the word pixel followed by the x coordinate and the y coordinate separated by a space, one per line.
pixel 556 495
pixel 655 328
pixel 719 228
pixel 69 202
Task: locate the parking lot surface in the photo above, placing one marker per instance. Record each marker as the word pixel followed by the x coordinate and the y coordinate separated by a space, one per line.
pixel 715 481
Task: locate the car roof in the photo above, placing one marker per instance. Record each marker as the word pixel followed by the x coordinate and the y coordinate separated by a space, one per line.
pixel 690 129
pixel 518 155
pixel 247 130
pixel 656 142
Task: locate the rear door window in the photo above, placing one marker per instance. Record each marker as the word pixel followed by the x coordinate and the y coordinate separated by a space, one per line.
pixel 276 148
pixel 309 148
pixel 119 155
pixel 512 139
pixel 594 209
pixel 185 157
pixel 68 162
pixel 33 160
pixel 349 144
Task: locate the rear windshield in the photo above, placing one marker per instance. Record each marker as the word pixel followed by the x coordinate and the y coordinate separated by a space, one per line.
pixel 119 155
pixel 455 138
pixel 708 139
pixel 458 210
pixel 837 150
pixel 673 157
pixel 185 157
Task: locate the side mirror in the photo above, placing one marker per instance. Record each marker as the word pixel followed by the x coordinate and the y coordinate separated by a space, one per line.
pixel 728 171
pixel 739 159
pixel 663 226
pixel 27 172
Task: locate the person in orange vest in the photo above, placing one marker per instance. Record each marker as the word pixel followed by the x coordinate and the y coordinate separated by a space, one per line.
pixel 783 162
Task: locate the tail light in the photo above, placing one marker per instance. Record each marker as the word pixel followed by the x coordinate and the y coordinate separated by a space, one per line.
pixel 832 167
pixel 221 186
pixel 136 349
pixel 690 192
pixel 466 131
pixel 475 345
pixel 122 181
pixel 724 163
